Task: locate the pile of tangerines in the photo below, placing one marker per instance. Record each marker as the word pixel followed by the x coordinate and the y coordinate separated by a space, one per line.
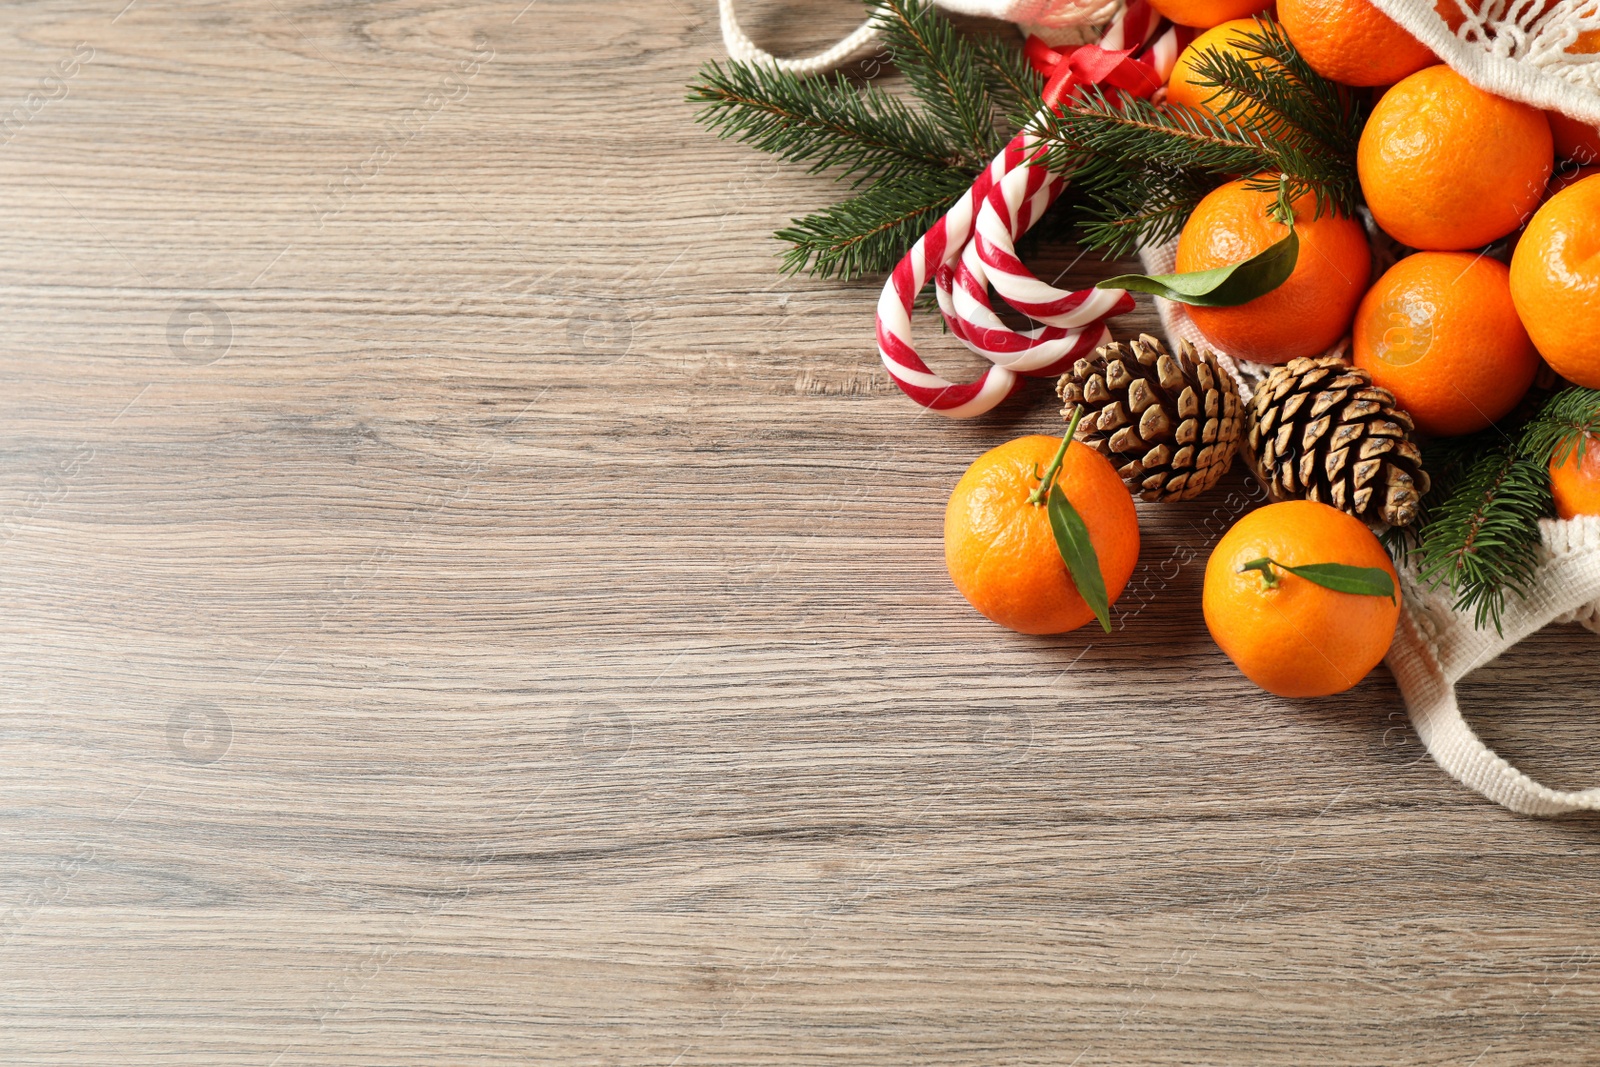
pixel 1458 178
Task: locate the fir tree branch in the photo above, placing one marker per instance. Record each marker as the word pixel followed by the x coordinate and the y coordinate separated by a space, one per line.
pixel 1479 534
pixel 823 121
pixel 1309 124
pixel 1015 85
pixel 1563 426
pixel 1132 130
pixel 1141 168
pixel 1120 206
pixel 918 163
pixel 946 74
pixel 1145 163
pixel 1268 74
pixel 1481 538
pixel 868 233
pixel 1118 228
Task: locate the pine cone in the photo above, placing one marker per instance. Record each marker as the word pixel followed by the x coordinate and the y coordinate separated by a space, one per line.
pixel 1169 424
pixel 1320 430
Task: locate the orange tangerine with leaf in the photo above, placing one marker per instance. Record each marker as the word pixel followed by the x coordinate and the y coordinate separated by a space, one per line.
pixel 1311 310
pixel 1002 550
pixel 1302 597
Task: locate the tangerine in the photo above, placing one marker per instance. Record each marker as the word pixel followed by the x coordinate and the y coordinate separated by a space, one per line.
pixel 1203 14
pixel 1439 331
pixel 1577 141
pixel 999 547
pixel 1575 480
pixel 1445 166
pixel 1452 14
pixel 1312 309
pixel 1287 634
pixel 1555 281
pixel 1574 140
pixel 1352 42
pixel 1184 87
pixel 1563 178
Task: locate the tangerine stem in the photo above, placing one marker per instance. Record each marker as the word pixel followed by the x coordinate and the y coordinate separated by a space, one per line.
pixel 1282 210
pixel 1037 497
pixel 1264 565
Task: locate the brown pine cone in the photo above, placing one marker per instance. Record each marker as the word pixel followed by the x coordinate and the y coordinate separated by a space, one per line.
pixel 1169 424
pixel 1320 430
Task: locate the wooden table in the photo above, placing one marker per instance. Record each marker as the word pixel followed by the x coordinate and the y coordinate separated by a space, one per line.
pixel 462 605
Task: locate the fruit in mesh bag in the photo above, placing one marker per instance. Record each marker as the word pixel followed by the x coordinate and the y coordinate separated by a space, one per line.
pixel 1555 281
pixel 1574 140
pixel 1287 633
pixel 999 546
pixel 1445 166
pixel 1577 141
pixel 1440 332
pixel 1352 42
pixel 1454 14
pixel 1184 87
pixel 1202 14
pixel 1312 309
pixel 1575 479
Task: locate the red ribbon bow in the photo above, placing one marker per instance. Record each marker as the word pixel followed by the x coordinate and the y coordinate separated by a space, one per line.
pixel 1089 64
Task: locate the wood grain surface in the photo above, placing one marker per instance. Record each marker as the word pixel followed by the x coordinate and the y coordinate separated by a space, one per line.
pixel 461 605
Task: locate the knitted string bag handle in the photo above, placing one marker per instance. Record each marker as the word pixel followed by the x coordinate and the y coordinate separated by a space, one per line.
pixel 742 49
pixel 1049 18
pixel 1434 648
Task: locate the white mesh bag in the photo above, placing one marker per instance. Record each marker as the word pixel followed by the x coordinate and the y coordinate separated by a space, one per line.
pixel 1518 49
pixel 1524 49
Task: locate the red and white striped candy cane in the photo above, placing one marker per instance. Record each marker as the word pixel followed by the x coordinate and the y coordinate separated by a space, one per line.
pixel 973 246
pixel 1073 322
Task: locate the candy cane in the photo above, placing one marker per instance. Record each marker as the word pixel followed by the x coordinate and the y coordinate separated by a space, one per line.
pixel 991 256
pixel 1072 321
pixel 973 246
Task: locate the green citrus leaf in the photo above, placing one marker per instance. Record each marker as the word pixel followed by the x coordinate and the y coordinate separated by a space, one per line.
pixel 1340 577
pixel 1077 551
pixel 1221 287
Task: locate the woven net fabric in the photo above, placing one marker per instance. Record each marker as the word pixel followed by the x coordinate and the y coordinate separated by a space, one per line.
pixel 1542 52
pixel 1435 647
pixel 1545 53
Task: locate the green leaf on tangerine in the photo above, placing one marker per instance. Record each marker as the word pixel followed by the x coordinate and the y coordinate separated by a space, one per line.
pixel 1221 287
pixel 1077 551
pixel 1340 577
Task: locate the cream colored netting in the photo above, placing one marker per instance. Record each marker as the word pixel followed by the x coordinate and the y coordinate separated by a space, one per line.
pixel 1542 52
